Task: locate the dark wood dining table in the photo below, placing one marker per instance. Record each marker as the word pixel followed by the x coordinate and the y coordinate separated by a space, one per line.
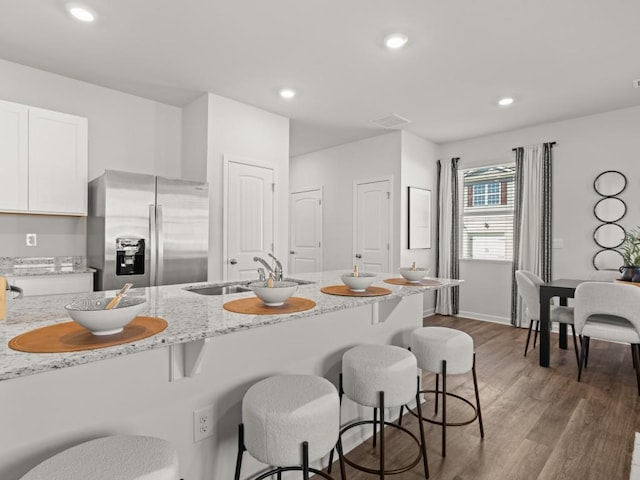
pixel 564 289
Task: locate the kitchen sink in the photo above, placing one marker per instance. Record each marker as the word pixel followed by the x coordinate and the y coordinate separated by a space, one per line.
pixel 234 287
pixel 219 289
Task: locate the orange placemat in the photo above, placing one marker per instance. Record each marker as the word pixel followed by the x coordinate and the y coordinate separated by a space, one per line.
pixel 627 282
pixel 72 337
pixel 344 290
pixel 255 306
pixel 402 281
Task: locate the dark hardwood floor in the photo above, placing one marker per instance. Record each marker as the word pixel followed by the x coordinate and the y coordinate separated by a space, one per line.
pixel 540 423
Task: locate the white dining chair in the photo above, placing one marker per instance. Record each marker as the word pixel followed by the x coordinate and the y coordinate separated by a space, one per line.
pixel 529 290
pixel 608 311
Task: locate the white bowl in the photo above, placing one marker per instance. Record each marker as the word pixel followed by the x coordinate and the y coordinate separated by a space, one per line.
pixel 91 314
pixel 359 283
pixel 414 276
pixel 276 295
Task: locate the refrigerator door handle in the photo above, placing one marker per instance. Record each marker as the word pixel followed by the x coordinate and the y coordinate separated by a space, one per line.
pixel 152 245
pixel 160 246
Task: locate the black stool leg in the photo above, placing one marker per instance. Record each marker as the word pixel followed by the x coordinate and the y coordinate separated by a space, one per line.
pixel 305 461
pixel 241 450
pixel 381 435
pixel 401 411
pixel 635 349
pixel 437 388
pixel 535 337
pixel 422 441
pixel 586 353
pixel 475 386
pixel 575 343
pixel 375 425
pixel 583 342
pixel 444 408
pixel 343 473
pixel 340 393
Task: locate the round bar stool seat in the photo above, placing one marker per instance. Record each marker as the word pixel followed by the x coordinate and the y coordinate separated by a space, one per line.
pixel 382 376
pixel 289 421
pixel 446 351
pixel 122 457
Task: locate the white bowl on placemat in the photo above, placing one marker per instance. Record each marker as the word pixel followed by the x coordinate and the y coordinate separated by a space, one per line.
pixel 91 314
pixel 276 295
pixel 414 275
pixel 359 283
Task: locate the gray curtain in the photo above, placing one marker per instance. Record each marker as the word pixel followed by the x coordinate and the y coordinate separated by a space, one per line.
pixel 532 236
pixel 447 236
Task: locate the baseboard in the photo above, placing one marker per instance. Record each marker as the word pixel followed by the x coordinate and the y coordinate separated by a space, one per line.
pixel 429 312
pixel 485 317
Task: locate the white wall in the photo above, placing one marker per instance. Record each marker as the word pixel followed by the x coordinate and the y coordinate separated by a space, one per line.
pixel 241 131
pixel 336 169
pixel 585 147
pixel 125 133
pixel 418 169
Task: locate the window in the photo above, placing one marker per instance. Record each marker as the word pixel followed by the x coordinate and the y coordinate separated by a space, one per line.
pixel 487 212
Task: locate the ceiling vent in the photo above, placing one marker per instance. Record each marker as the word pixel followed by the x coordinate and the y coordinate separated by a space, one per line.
pixel 391 121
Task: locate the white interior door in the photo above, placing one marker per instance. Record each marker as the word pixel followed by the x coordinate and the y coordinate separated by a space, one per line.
pixel 249 214
pixel 306 232
pixel 372 226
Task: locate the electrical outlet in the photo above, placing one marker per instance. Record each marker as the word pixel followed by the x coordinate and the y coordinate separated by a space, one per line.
pixel 202 423
pixel 31 240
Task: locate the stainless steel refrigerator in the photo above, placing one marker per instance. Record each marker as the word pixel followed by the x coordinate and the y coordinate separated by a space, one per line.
pixel 147 230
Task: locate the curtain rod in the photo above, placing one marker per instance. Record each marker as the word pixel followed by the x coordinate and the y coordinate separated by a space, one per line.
pixel 550 143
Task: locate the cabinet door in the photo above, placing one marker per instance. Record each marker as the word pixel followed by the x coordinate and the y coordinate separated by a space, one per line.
pixel 54 284
pixel 58 155
pixel 14 187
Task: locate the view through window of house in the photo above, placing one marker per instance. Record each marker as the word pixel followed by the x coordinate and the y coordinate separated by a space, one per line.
pixel 487 212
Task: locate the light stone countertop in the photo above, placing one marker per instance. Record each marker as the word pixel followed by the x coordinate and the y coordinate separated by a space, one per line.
pixel 37 266
pixel 190 317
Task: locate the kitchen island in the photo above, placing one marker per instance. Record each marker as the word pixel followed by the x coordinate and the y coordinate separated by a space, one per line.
pixel 206 357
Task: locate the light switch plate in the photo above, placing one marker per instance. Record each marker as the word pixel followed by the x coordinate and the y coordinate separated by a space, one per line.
pixel 31 240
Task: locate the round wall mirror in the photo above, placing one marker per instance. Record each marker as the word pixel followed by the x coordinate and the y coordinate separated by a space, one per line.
pixel 610 183
pixel 610 209
pixel 607 259
pixel 609 235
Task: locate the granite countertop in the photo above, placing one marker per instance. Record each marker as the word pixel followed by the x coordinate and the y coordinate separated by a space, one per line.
pixel 190 317
pixel 36 266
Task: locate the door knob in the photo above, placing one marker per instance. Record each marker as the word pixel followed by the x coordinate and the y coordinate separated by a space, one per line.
pixel 233 261
pixel 358 255
pixel 292 252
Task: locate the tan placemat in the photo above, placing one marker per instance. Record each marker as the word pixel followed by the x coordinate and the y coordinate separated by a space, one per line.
pixel 627 282
pixel 72 337
pixel 402 281
pixel 344 291
pixel 255 306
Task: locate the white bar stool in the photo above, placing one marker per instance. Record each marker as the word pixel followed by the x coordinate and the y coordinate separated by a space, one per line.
pixel 288 422
pixel 382 376
pixel 122 457
pixel 446 351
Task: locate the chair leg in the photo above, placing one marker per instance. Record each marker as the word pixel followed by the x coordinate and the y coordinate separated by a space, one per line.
pixel 526 345
pixel 586 353
pixel 636 355
pixel 633 357
pixel 444 408
pixel 241 450
pixel 535 337
pixel 475 386
pixel 423 444
pixel 582 355
pixel 340 393
pixel 575 344
pixel 382 435
pixel 343 473
pixel 400 416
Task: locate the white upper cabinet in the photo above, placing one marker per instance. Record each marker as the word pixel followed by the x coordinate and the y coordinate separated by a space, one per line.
pixel 49 153
pixel 14 157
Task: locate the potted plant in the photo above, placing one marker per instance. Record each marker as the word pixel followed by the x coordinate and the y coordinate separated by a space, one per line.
pixel 630 250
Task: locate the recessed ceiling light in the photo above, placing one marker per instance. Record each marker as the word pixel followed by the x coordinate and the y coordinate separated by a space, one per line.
pixel 287 93
pixel 395 40
pixel 503 102
pixel 81 13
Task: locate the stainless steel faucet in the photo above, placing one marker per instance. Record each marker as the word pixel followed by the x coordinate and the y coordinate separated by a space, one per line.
pixel 276 272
